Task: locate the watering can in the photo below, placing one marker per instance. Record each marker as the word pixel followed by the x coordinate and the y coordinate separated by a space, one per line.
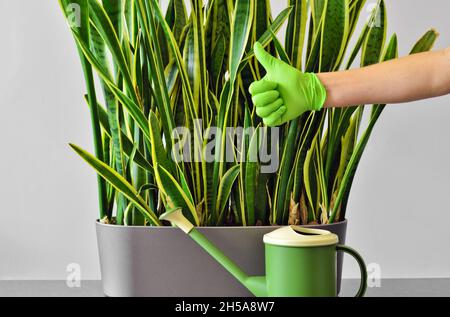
pixel 300 262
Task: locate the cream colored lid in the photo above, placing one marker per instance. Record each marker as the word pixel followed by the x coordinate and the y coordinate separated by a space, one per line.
pixel 295 236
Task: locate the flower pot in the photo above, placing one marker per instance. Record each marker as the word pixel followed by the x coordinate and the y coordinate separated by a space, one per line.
pixel 163 261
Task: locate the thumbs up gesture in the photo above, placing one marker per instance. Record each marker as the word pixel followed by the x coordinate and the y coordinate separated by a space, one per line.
pixel 284 93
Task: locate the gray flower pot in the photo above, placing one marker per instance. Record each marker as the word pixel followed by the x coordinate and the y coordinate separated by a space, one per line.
pixel 163 261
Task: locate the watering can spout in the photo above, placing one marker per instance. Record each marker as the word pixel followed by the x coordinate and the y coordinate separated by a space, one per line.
pixel 176 217
pixel 256 285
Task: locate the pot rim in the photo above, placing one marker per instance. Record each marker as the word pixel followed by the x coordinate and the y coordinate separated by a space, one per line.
pixel 334 224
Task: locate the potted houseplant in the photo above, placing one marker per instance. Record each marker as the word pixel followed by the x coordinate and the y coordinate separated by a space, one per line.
pixel 172 85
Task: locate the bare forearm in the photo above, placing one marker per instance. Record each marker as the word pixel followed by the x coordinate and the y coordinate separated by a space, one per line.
pixel 405 79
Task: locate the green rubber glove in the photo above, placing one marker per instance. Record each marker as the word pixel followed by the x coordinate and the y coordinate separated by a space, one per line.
pixel 284 93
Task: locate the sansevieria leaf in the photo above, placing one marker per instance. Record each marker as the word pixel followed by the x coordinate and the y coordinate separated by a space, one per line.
pixel 273 28
pixel 77 15
pixel 127 144
pixel 109 35
pixel 176 196
pixel 119 183
pixel 373 45
pixel 131 106
pixel 296 30
pixel 334 33
pixel 426 42
pixel 225 186
pixel 240 30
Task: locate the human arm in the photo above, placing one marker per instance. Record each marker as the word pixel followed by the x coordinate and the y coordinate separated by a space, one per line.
pixel 406 79
pixel 285 93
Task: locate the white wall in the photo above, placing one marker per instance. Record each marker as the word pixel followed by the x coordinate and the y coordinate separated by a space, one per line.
pixel 399 208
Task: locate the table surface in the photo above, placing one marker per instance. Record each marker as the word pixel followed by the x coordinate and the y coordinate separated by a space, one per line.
pixel 388 288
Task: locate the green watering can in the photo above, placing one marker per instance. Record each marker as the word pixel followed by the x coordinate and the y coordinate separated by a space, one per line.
pixel 300 262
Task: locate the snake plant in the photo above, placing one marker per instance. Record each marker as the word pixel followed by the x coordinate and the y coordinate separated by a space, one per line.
pixel 191 67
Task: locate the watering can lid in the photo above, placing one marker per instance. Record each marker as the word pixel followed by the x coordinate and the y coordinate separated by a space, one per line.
pixel 295 236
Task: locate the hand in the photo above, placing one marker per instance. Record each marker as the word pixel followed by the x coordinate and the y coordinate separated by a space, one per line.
pixel 284 93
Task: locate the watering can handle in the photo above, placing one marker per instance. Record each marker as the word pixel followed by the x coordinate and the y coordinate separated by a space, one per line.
pixel 362 267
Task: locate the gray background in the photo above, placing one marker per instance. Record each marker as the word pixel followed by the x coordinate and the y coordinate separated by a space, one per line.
pixel 398 212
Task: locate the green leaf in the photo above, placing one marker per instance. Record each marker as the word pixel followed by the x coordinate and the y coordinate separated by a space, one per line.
pixel 262 17
pixel 98 48
pixel 240 30
pixel 114 10
pixel 286 164
pixel 295 33
pixel 355 11
pixel 146 10
pixel 311 126
pixel 281 52
pixel 310 175
pixel 219 147
pixel 159 153
pixel 178 59
pixel 119 183
pixel 127 144
pixel 169 186
pixel 106 30
pixel 99 51
pixel 318 10
pixel 185 186
pixel 226 184
pixel 242 184
pixel 251 175
pixel 334 33
pixel 200 76
pixel 426 42
pixel 358 45
pixel 307 176
pixel 217 34
pixel 176 17
pixel 129 104
pixel 373 45
pixel 267 36
pixel 77 14
pixel 339 123
pixel 218 58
